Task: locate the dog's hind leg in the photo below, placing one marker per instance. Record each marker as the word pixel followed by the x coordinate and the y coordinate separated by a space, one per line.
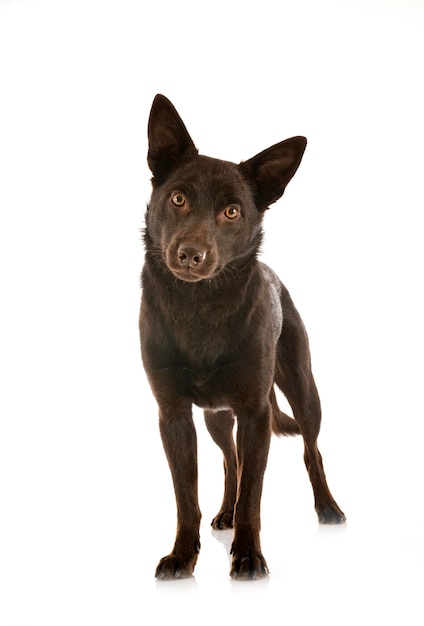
pixel 282 424
pixel 220 425
pixel 294 377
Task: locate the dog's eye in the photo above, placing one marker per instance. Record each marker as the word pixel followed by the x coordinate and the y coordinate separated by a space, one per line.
pixel 231 212
pixel 178 199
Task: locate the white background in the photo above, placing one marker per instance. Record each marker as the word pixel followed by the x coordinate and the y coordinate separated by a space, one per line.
pixel 86 501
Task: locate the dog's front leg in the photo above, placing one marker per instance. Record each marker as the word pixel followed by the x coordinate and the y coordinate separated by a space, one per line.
pixel 253 438
pixel 180 444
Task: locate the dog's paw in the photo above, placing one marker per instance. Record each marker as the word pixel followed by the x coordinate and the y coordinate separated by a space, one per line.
pixel 173 567
pixel 330 514
pixel 223 521
pixel 249 567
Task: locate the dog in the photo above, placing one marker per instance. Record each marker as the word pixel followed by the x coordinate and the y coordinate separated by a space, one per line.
pixel 219 330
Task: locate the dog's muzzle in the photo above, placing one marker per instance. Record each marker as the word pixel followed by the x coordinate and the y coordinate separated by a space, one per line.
pixel 190 260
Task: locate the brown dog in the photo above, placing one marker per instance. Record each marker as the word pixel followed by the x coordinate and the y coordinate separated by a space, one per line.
pixel 218 329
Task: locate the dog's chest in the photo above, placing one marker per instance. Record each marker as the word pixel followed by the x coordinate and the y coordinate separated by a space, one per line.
pixel 207 389
pixel 223 329
pixel 213 345
pixel 201 340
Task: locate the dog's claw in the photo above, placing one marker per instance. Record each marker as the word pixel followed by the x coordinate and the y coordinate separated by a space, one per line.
pixel 223 521
pixel 172 568
pixel 330 514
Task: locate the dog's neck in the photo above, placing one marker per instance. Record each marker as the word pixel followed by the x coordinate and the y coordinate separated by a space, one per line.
pixel 233 286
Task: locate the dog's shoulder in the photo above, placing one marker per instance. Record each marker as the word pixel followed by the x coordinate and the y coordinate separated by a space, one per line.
pixel 274 289
pixel 270 276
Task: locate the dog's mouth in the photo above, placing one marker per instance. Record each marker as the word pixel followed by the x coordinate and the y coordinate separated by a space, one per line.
pixel 193 274
pixel 188 275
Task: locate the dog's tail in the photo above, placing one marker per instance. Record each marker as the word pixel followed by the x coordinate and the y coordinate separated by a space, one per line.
pixel 282 424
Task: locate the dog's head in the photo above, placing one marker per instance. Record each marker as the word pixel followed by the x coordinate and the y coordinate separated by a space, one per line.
pixel 205 214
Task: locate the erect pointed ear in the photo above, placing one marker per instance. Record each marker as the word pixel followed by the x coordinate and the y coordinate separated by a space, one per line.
pixel 169 141
pixel 271 170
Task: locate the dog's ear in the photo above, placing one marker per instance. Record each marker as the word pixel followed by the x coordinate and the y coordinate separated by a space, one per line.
pixel 169 141
pixel 271 170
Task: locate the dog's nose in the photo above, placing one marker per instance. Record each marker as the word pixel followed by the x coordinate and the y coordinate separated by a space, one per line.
pixel 190 255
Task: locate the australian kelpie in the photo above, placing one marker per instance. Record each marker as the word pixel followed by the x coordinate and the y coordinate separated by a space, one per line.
pixel 218 330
